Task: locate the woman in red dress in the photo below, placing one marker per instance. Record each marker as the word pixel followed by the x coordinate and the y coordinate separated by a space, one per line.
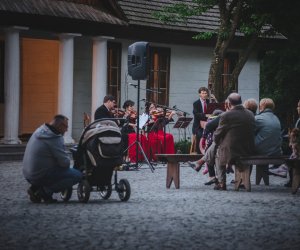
pixel 159 141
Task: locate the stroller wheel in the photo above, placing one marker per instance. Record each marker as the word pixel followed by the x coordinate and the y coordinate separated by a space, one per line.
pixel 123 189
pixel 83 191
pixel 66 194
pixel 105 193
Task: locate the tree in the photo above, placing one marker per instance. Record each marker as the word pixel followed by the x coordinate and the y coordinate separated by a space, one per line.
pixel 280 68
pixel 246 16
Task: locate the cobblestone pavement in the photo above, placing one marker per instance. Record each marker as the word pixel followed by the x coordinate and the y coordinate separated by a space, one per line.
pixel 192 217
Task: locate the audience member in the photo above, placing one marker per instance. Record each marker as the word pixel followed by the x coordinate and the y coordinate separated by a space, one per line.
pixel 234 137
pixel 209 148
pixel 251 104
pixel 297 125
pixel 268 138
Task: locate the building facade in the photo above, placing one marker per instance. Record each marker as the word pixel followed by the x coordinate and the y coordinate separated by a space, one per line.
pixel 65 56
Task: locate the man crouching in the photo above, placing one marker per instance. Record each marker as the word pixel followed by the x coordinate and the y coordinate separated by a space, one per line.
pixel 46 165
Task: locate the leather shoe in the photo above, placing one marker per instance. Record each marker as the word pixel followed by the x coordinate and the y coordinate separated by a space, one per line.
pixel 194 166
pixel 212 181
pixel 47 198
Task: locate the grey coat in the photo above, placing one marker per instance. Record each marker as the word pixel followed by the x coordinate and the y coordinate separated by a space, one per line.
pixel 267 133
pixel 235 135
pixel 44 152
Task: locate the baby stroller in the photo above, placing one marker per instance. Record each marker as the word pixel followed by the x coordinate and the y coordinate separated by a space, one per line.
pixel 97 155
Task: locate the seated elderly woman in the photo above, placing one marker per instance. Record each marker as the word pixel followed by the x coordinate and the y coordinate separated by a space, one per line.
pixel 267 131
pixel 251 104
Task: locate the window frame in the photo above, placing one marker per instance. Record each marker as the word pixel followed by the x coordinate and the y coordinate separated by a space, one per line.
pixel 163 56
pixel 114 48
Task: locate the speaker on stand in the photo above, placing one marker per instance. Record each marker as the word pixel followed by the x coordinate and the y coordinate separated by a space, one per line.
pixel 138 54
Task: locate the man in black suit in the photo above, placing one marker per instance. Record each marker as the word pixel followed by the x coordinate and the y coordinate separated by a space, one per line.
pixel 199 109
pixel 104 111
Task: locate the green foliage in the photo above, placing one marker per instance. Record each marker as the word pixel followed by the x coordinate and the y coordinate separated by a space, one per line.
pixel 203 36
pixel 180 12
pixel 183 146
pixel 280 74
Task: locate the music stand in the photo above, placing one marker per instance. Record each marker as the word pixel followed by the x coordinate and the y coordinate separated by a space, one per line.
pixel 183 122
pixel 137 140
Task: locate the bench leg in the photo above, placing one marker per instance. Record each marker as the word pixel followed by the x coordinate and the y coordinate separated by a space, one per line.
pixel 296 179
pixel 173 174
pixel 242 175
pixel 262 173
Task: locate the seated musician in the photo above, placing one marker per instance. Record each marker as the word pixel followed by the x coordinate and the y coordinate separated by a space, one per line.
pixel 105 110
pixel 159 142
pixel 129 133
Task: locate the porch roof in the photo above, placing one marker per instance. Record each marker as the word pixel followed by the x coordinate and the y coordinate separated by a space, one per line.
pixel 89 10
pixel 140 13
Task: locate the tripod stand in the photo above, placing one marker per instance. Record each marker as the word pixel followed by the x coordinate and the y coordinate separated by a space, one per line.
pixel 137 140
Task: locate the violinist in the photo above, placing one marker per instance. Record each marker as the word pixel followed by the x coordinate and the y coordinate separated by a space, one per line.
pixel 159 140
pixel 105 110
pixel 130 114
pixel 129 133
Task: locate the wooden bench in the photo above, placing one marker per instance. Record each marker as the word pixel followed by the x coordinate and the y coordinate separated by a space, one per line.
pixel 173 166
pixel 243 170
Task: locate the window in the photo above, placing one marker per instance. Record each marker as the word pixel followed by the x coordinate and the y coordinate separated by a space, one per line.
pixel 230 61
pixel 159 76
pixel 114 70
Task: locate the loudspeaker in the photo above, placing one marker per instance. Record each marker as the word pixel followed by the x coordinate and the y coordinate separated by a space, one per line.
pixel 138 61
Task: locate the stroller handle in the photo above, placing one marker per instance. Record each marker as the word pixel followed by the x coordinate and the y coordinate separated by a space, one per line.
pixel 91 125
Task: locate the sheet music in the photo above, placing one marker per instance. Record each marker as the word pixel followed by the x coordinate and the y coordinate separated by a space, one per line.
pixel 142 120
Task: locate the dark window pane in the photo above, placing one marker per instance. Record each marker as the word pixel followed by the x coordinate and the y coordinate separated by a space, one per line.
pixel 114 70
pixel 159 75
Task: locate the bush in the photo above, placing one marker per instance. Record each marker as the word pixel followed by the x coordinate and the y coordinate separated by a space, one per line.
pixel 183 147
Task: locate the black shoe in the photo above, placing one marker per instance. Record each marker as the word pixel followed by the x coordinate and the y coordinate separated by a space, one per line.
pixel 34 195
pixel 212 181
pixel 46 197
pixel 49 200
pixel 194 166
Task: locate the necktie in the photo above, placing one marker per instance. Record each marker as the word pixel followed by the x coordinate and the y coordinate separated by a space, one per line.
pixel 204 106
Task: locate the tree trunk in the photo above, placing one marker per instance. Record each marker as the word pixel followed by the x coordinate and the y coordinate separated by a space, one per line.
pixel 241 63
pixel 215 77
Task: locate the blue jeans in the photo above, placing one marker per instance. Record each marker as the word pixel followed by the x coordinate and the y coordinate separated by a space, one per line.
pixel 60 179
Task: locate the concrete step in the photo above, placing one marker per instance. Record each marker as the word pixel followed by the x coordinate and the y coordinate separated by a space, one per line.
pixel 12 152
pixel 16 152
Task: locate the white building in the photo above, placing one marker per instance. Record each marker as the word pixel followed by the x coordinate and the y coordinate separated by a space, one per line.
pixel 65 56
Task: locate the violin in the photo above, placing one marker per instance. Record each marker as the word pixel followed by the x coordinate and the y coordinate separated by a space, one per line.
pixel 132 116
pixel 118 113
pixel 158 113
